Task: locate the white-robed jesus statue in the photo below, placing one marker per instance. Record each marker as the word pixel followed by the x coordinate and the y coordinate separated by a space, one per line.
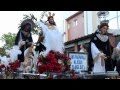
pixel 53 39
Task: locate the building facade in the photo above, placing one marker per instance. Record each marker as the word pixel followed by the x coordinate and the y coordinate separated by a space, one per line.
pixel 74 27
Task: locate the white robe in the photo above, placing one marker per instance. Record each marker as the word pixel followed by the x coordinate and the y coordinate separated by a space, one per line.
pixel 53 39
pixel 82 51
pixel 5 60
pixel 14 52
pixel 118 46
pixel 98 67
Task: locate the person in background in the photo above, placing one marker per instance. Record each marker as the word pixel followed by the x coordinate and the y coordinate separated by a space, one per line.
pixel 83 48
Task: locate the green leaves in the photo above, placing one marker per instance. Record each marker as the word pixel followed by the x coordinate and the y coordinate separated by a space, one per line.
pixel 9 40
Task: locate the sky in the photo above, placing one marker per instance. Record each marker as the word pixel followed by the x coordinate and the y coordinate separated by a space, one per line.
pixel 10 20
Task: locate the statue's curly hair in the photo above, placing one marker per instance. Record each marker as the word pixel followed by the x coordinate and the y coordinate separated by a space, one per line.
pixel 103 24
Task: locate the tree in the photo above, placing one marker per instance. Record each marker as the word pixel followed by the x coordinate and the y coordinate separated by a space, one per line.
pixel 9 40
pixel 2 52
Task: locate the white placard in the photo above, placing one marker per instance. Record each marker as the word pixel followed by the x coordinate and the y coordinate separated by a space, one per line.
pixel 79 61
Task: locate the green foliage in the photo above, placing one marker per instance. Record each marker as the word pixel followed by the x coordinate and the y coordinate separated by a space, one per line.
pixel 2 52
pixel 9 40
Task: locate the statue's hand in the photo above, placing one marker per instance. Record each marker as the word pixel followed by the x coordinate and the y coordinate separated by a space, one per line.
pixel 22 43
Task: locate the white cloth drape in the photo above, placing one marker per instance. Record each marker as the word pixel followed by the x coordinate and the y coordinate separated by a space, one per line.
pixel 96 55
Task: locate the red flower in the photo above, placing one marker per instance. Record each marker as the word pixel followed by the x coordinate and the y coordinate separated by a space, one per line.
pixel 67 67
pixel 50 67
pixel 73 72
pixel 42 68
pixel 50 62
pixel 40 60
pixel 2 66
pixel 14 65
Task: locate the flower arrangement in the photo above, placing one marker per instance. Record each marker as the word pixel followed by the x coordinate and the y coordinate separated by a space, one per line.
pixel 2 66
pixel 14 65
pixel 7 70
pixel 54 62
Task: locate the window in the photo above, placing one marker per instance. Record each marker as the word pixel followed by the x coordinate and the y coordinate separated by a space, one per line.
pixel 69 25
pixel 75 22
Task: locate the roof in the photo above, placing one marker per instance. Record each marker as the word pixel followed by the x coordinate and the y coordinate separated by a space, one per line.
pixel 83 38
pixel 79 12
pixel 79 39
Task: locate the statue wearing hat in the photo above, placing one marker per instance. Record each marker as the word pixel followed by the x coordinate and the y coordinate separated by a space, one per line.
pixel 24 37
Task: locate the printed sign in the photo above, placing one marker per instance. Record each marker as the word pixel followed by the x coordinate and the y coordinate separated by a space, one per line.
pixel 79 61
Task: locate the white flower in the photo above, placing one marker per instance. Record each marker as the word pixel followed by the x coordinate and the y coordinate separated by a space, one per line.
pixel 60 61
pixel 43 54
pixel 39 64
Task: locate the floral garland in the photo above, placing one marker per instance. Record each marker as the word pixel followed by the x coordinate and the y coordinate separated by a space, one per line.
pixel 54 62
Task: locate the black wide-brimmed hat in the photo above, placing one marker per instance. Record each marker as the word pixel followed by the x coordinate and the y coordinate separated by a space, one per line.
pixel 28 21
